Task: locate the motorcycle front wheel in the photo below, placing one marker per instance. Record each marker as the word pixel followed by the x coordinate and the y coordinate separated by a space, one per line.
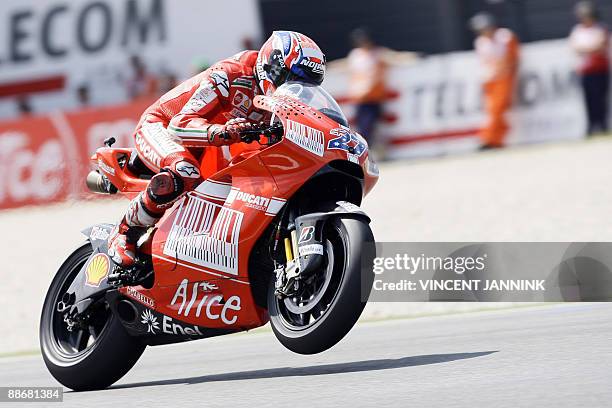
pixel 90 356
pixel 330 301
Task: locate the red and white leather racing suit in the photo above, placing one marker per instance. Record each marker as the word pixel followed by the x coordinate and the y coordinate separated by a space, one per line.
pixel 187 118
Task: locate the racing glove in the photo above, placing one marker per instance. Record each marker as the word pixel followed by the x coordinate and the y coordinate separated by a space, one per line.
pixel 220 135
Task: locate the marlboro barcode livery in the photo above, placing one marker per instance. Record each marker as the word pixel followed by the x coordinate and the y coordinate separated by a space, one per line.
pixel 206 234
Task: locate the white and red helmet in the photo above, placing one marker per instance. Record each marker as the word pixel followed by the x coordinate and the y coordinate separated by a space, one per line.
pixel 289 56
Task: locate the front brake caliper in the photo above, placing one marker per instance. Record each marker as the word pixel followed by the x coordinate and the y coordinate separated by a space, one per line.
pixel 287 279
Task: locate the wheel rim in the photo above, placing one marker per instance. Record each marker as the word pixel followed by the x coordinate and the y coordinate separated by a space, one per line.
pixel 304 310
pixel 78 342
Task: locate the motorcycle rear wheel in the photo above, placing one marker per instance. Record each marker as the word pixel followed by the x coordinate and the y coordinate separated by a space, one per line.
pixel 84 359
pixel 319 318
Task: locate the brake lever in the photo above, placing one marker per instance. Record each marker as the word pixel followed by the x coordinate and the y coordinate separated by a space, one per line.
pixel 251 135
pixel 274 133
pixel 254 135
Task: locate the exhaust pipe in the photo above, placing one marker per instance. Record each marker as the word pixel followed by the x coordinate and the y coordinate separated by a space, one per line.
pixel 98 183
pixel 127 311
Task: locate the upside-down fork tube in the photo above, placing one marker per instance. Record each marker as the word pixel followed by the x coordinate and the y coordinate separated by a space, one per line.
pixel 288 250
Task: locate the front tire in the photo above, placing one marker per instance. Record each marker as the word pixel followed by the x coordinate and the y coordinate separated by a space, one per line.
pixel 84 359
pixel 308 328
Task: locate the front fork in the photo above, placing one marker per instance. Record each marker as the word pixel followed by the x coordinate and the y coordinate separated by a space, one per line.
pixel 304 249
pixel 287 275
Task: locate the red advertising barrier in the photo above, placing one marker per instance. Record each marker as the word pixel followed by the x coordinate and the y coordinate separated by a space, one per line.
pixel 45 159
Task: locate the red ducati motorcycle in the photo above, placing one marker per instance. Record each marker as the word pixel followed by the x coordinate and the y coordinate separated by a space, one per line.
pixel 275 236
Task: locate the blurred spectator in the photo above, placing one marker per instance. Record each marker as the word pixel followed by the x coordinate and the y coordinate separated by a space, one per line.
pixel 23 105
pixel 367 66
pixel 200 65
pixel 83 96
pixel 590 40
pixel 249 44
pixel 141 83
pixel 498 50
pixel 167 81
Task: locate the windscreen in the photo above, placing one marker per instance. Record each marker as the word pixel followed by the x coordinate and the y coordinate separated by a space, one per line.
pixel 314 96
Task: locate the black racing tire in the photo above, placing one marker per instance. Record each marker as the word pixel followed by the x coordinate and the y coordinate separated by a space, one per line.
pixel 353 244
pixel 105 358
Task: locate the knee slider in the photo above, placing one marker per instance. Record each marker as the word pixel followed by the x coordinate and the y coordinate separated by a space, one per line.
pixel 165 187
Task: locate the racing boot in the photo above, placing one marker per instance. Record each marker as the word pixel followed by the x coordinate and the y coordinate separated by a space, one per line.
pixel 122 240
pixel 148 207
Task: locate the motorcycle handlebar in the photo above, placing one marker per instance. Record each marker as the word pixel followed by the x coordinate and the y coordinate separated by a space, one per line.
pixel 272 132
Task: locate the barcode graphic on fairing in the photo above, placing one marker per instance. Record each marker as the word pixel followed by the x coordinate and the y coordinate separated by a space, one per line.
pixel 205 234
pixel 306 137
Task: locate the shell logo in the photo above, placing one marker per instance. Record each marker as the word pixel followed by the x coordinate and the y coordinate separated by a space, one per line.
pixel 97 269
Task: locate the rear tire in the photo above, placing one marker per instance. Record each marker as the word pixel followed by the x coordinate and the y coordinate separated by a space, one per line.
pixel 352 245
pixel 94 363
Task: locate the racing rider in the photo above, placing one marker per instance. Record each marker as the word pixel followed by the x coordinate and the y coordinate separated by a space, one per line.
pixel 210 109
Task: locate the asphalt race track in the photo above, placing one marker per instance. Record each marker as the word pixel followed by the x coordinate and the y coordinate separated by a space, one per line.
pixel 545 356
